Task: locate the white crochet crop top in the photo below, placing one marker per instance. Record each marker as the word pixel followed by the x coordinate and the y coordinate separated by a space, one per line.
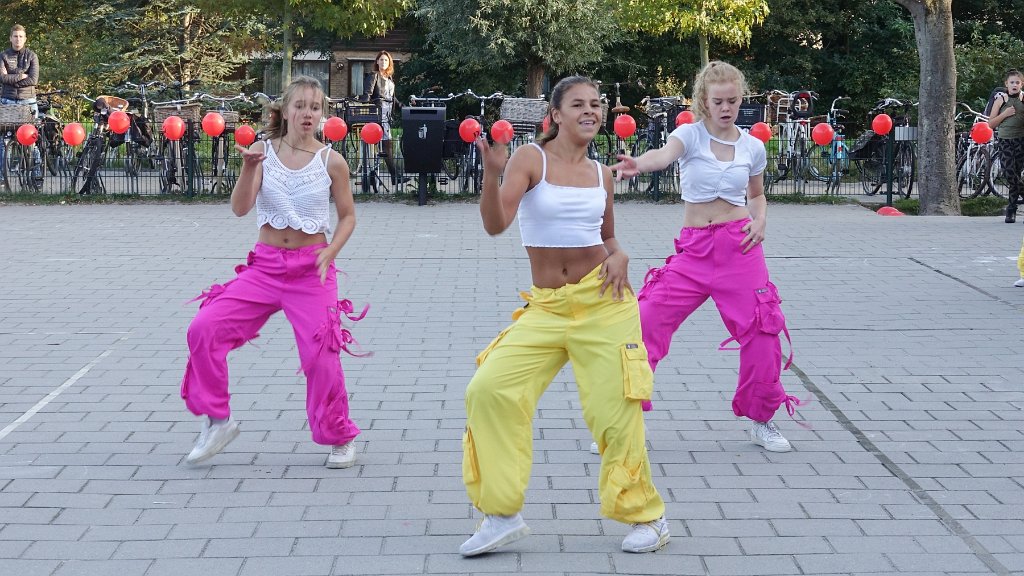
pixel 702 177
pixel 298 199
pixel 553 216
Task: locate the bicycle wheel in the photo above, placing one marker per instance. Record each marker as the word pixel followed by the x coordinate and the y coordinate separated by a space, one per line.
pixel 641 183
pixel 82 180
pixel 800 163
pixel 972 169
pixel 132 164
pixel 19 165
pixel 821 163
pixel 996 179
pixel 903 170
pixel 872 173
pixel 170 180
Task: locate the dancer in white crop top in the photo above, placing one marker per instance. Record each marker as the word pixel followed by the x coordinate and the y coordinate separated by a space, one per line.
pixel 290 179
pixel 582 309
pixel 718 251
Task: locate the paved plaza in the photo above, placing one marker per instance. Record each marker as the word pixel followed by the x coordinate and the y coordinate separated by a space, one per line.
pixel 908 340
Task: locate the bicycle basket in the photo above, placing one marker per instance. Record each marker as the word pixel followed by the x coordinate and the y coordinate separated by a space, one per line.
pixel 14 115
pixel 230 116
pixel 184 111
pixel 865 146
pixel 526 110
pixel 453 144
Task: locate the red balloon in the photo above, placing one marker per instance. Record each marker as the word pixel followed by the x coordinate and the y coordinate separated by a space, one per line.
pixel 245 135
pixel 881 124
pixel 545 124
pixel 335 129
pixel 371 133
pixel 625 126
pixel 119 122
pixel 761 131
pixel 822 134
pixel 27 134
pixel 213 124
pixel 74 134
pixel 469 130
pixel 981 132
pixel 685 117
pixel 174 128
pixel 502 132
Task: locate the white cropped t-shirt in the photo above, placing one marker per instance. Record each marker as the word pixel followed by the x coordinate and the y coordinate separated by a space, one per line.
pixel 553 216
pixel 702 177
pixel 298 199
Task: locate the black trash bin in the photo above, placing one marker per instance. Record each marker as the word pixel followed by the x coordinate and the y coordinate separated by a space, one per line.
pixel 422 142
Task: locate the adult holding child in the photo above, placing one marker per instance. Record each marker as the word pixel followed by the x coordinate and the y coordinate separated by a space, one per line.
pixel 580 309
pixel 719 249
pixel 290 178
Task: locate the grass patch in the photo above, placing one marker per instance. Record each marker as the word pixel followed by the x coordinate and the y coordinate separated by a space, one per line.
pixel 809 199
pixel 72 198
pixel 981 206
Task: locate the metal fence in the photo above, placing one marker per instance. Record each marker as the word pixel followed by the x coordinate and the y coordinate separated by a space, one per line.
pixel 370 175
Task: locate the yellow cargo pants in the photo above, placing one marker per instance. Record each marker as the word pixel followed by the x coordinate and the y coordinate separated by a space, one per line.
pixel 602 339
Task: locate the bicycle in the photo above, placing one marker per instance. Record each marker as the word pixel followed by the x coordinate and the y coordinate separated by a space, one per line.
pixel 792 113
pixel 829 163
pixel 525 115
pixel 363 158
pixel 178 162
pixel 656 111
pixel 472 170
pixel 974 162
pixel 601 147
pixel 86 178
pixel 871 160
pixel 223 168
pixel 15 159
pixel 139 138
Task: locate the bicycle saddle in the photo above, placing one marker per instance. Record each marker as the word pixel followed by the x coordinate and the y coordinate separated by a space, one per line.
pixel 109 102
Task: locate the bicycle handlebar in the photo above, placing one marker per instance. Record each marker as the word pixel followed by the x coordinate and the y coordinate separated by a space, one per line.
pixel 223 100
pixel 977 115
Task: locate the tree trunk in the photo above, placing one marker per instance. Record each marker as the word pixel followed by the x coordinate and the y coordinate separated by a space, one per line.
pixel 702 40
pixel 936 148
pixel 286 60
pixel 534 78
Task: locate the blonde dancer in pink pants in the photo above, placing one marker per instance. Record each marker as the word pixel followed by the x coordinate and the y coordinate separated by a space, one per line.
pixel 290 179
pixel 718 251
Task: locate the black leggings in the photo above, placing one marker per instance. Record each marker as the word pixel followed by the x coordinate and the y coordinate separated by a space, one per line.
pixel 1011 157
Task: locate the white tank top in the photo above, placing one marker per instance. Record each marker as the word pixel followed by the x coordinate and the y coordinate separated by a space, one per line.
pixel 298 199
pixel 553 216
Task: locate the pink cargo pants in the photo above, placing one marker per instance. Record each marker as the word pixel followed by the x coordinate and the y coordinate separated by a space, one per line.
pixel 709 261
pixel 231 314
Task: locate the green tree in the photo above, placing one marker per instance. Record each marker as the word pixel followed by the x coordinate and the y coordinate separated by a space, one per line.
pixel 345 18
pixel 559 36
pixel 730 21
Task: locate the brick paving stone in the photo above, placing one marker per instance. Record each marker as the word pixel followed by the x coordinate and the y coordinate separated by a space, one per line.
pixel 903 324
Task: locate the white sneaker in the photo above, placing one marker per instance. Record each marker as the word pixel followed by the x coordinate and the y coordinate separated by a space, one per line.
pixel 212 440
pixel 494 531
pixel 342 456
pixel 767 436
pixel 593 448
pixel 1019 283
pixel 646 537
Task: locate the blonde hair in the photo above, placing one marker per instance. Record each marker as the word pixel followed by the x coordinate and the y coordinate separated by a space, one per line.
pixel 557 94
pixel 277 126
pixel 716 72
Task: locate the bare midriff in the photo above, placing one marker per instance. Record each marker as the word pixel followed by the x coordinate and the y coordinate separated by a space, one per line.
pixel 556 267
pixel 701 214
pixel 289 237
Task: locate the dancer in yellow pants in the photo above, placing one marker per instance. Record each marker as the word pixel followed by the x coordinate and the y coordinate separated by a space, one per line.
pixel 1020 266
pixel 580 309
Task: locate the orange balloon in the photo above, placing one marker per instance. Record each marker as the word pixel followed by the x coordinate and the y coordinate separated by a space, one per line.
pixel 469 130
pixel 335 129
pixel 881 124
pixel 27 134
pixel 822 134
pixel 213 124
pixel 685 117
pixel 624 125
pixel 761 131
pixel 74 134
pixel 981 132
pixel 119 122
pixel 371 133
pixel 245 135
pixel 173 128
pixel 502 132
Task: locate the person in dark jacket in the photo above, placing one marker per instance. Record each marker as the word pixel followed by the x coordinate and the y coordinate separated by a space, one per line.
pixel 19 74
pixel 379 87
